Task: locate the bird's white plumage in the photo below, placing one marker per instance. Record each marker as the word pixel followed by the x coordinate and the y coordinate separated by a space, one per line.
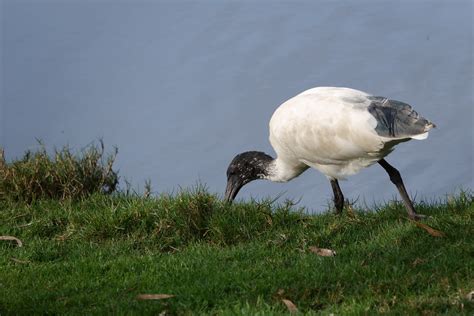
pixel 329 129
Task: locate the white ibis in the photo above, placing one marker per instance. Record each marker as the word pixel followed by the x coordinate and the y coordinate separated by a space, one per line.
pixel 338 131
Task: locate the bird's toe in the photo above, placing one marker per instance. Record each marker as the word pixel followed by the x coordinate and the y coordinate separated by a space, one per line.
pixel 418 217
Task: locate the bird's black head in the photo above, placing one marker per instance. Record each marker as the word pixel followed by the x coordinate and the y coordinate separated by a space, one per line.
pixel 245 167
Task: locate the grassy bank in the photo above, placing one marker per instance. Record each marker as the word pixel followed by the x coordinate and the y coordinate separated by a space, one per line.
pixel 98 254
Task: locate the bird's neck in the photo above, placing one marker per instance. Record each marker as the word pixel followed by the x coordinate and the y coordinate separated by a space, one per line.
pixel 279 170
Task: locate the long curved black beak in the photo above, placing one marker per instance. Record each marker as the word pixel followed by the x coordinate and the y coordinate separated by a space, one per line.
pixel 233 187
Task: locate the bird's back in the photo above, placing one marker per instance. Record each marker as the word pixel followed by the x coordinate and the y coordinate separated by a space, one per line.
pixel 340 130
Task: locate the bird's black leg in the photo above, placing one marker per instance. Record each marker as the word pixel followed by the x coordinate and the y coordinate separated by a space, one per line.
pixel 338 197
pixel 396 179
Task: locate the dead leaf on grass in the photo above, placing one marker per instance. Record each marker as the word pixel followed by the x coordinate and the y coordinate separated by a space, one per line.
pixel 433 232
pixel 18 241
pixel 323 252
pixel 154 296
pixel 470 296
pixel 290 305
pixel 417 261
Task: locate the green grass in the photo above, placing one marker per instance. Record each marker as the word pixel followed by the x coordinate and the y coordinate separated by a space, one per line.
pixel 95 255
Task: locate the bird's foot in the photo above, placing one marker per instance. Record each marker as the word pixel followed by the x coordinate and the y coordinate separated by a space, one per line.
pixel 418 217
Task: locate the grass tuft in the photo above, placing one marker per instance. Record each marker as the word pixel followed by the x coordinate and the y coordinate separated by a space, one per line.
pixel 63 175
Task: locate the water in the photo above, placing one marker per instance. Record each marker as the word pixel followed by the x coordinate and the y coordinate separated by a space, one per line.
pixel 181 87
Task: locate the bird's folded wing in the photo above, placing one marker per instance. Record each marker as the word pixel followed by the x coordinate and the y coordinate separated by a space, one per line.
pixel 396 119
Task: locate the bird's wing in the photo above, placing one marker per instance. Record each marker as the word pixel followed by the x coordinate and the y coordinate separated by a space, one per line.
pixel 397 120
pixel 325 127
